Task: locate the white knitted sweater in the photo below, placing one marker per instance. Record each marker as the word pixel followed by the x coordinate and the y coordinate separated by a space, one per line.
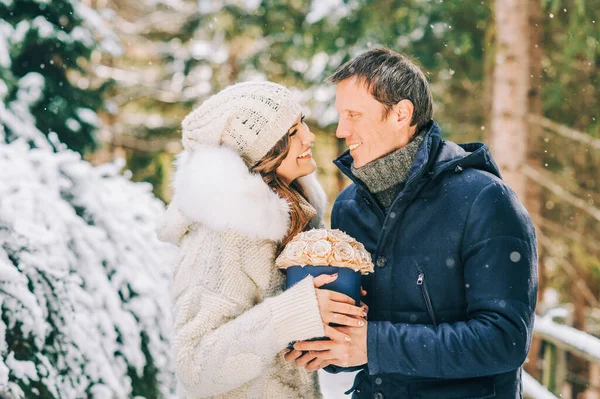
pixel 232 320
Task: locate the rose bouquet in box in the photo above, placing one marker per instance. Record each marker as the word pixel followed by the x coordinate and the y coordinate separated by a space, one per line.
pixel 322 251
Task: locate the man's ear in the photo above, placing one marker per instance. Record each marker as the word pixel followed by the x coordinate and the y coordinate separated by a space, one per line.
pixel 403 111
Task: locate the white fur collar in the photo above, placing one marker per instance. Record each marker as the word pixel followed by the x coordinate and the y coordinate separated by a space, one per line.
pixel 212 186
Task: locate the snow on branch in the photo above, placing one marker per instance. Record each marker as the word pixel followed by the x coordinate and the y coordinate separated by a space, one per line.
pixel 564 131
pixel 568 338
pixel 84 282
pixel 565 232
pixel 560 192
pixel 571 271
pixel 533 389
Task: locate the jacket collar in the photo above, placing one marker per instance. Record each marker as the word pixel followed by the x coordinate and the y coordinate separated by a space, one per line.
pixel 434 158
pixel 423 159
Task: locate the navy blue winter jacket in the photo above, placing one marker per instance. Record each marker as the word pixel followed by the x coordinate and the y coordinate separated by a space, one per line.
pixel 453 295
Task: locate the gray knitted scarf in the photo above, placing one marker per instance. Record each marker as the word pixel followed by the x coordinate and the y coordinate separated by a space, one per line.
pixel 385 177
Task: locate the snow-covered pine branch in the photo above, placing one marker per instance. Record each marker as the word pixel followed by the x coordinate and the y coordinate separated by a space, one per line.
pixel 84 282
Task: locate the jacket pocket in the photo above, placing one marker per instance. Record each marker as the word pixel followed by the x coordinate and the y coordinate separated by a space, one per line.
pixel 465 388
pixel 423 285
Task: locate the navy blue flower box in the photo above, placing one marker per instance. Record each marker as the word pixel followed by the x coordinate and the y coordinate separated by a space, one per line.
pixel 348 282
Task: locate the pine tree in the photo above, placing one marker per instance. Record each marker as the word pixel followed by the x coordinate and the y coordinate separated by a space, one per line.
pixel 84 282
pixel 298 44
pixel 53 40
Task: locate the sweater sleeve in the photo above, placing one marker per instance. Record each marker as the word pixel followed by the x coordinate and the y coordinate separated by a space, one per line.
pixel 220 347
pixel 500 268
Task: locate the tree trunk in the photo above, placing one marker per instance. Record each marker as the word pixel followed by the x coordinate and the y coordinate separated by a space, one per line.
pixel 511 86
pixel 488 73
pixel 533 191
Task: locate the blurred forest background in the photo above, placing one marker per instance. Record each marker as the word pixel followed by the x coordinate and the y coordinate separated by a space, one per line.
pixel 112 80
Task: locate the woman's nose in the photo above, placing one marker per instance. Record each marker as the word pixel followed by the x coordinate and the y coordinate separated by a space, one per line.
pixel 308 138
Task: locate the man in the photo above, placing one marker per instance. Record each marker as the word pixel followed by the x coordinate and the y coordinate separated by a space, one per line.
pixel 452 300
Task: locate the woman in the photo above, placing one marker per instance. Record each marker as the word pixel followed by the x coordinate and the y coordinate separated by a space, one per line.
pixel 244 186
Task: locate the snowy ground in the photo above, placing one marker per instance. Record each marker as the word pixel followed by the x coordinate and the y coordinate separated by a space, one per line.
pixel 333 386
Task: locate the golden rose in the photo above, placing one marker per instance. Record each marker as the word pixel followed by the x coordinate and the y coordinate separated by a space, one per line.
pixel 315 235
pixel 321 247
pixel 342 253
pixel 365 261
pixel 318 252
pixel 300 236
pixel 295 248
pixel 339 236
pixel 293 254
pixel 359 246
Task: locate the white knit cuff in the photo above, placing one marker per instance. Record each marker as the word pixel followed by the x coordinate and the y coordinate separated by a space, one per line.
pixel 295 313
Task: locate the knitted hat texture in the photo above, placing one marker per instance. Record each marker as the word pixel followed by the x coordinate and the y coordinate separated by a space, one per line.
pixel 249 117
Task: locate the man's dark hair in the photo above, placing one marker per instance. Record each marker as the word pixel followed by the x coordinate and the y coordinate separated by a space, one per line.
pixel 390 78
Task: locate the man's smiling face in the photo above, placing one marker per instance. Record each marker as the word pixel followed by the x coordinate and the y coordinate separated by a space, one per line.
pixel 363 123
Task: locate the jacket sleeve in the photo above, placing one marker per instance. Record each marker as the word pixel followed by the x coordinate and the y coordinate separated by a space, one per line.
pixel 220 346
pixel 500 270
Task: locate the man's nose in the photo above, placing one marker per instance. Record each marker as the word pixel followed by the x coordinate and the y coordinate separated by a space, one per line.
pixel 342 130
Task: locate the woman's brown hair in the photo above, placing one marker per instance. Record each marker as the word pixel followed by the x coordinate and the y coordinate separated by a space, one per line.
pixel 267 167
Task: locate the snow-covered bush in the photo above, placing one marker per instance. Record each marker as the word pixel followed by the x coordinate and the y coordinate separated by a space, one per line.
pixel 84 282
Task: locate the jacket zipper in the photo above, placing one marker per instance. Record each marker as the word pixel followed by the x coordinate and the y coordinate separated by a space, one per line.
pixel 421 283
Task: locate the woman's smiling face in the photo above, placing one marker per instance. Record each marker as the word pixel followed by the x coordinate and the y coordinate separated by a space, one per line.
pixel 299 161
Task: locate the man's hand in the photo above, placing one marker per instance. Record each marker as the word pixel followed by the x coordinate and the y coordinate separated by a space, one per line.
pixel 314 355
pixel 341 344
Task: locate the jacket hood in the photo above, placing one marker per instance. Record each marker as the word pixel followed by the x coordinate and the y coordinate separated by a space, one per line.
pixel 212 186
pixel 437 156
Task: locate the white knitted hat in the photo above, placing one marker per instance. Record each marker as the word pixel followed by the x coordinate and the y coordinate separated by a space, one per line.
pixel 249 117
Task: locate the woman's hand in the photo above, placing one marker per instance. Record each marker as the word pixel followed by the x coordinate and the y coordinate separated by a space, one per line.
pixel 363 305
pixel 336 307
